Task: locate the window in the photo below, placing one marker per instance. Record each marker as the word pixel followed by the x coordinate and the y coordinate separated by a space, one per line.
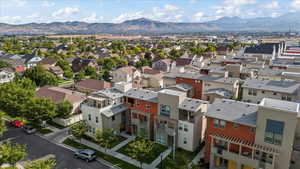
pixel 263 92
pixel 222 124
pixel 197 81
pixel 180 126
pixel 184 140
pixel 274 132
pixel 185 127
pixel 165 110
pixel 216 123
pixel 252 92
pixel 274 93
pixel 207 84
pixel 112 118
pixel 253 130
pixel 90 117
pixel 96 119
pixel 147 106
pixel 286 97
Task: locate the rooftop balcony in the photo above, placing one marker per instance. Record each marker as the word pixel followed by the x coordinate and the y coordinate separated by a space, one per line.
pixel 250 154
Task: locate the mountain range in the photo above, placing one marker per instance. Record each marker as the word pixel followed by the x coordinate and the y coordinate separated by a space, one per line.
pixel 144 25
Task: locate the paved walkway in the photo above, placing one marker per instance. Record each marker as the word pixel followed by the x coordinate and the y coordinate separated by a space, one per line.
pixel 123 143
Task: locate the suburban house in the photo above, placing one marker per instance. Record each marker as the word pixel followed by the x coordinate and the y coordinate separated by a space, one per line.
pixel 164 65
pixel 58 95
pixel 31 60
pixel 151 78
pixel 79 64
pixel 254 90
pixel 91 85
pixel 243 135
pixel 125 74
pixel 6 75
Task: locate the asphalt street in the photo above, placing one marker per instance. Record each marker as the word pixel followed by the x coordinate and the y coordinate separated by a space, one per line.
pixel 38 147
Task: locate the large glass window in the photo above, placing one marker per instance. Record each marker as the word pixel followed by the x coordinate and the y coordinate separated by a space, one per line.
pixel 274 132
pixel 216 123
pixel 165 110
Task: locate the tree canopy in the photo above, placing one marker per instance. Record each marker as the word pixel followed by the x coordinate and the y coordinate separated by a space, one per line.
pixel 41 77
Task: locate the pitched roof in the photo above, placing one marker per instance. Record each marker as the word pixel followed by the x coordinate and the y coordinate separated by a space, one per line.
pixel 182 61
pixel 233 111
pixel 48 61
pixel 127 69
pixel 92 84
pixel 58 95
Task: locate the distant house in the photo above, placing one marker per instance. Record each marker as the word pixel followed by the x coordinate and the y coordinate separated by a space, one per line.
pixel 92 85
pixel 151 78
pixel 79 64
pixel 6 75
pixel 163 65
pixel 49 61
pixel 125 74
pixel 31 60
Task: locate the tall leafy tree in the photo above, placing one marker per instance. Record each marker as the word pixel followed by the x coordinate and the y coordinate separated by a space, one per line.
pixel 40 109
pixel 64 109
pixel 4 64
pixel 41 77
pixel 104 137
pixel 2 126
pixel 79 129
pixel 11 153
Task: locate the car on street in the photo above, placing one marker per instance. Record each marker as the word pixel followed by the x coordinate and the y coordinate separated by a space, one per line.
pixel 29 129
pixel 85 154
pixel 17 123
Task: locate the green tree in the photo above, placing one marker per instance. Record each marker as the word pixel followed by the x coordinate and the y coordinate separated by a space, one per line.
pixel 4 64
pixel 89 70
pixel 41 77
pixel 40 109
pixel 79 76
pixel 2 125
pixel 11 153
pixel 104 137
pixel 64 109
pixel 175 53
pixel 143 62
pixel 41 164
pixel 79 129
pixel 140 149
pixel 68 73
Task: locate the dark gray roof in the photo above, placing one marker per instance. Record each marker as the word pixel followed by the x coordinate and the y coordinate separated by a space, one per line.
pixel 191 104
pixel 289 87
pixel 264 48
pixel 233 111
pixel 142 94
pixel 196 76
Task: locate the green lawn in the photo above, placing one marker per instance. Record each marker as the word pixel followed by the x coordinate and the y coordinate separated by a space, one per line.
pixel 113 160
pixel 52 123
pixel 181 157
pixel 157 150
pixel 112 144
pixel 44 131
pixel 62 82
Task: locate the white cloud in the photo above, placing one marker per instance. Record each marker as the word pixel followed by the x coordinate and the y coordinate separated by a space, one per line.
pixel 13 3
pixel 92 18
pixel 11 19
pixel 193 1
pixel 202 17
pixel 275 14
pixel 171 7
pixel 272 5
pixel 47 4
pixel 239 2
pixel 65 11
pixel 227 10
pixel 128 16
pixel 295 4
pixel 33 16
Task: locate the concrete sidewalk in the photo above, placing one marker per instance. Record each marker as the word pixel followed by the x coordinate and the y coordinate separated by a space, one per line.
pixel 123 143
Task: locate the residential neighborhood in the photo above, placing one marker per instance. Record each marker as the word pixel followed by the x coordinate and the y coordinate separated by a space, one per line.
pixel 167 94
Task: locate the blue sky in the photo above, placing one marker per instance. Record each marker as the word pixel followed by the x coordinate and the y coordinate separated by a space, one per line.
pixel 26 11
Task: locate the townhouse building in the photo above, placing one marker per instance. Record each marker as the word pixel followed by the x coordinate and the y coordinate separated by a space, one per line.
pixel 142 106
pixel 254 90
pixel 105 110
pixel 179 122
pixel 243 135
pixel 125 74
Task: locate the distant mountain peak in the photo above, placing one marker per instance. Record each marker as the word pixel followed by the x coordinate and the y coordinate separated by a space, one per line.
pixel 140 20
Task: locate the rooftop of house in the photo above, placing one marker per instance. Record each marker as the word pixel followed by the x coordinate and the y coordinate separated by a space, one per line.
pixel 142 94
pixel 92 84
pixel 233 111
pixel 58 95
pixel 182 86
pixel 114 110
pixel 127 69
pixel 112 93
pixel 196 76
pixel 281 105
pixel 48 61
pixel 264 48
pixel 172 92
pixel 289 87
pixel 219 91
pixel 190 104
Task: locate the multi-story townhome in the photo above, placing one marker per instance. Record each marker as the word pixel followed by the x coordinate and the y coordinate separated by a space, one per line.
pixel 180 120
pixel 105 110
pixel 221 87
pixel 254 90
pixel 125 74
pixel 243 135
pixel 143 110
